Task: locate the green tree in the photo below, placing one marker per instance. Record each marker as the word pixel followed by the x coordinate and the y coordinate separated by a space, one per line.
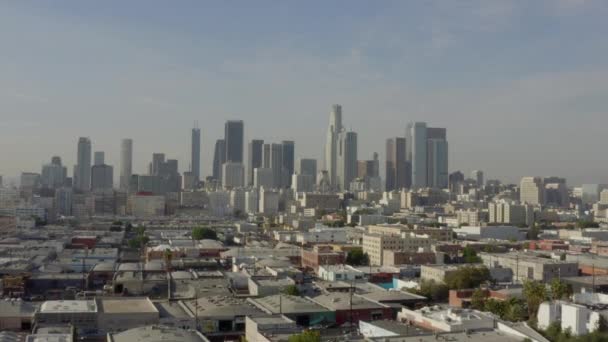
pixel 291 290
pixel 535 293
pixel 560 290
pixel 467 277
pixel 200 233
pixel 356 257
pixel 306 336
pixel 470 256
pixel 478 299
pixel 434 291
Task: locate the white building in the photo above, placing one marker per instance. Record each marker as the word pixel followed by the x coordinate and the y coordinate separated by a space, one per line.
pixel 252 201
pixel 219 203
pixel 447 320
pixel 580 319
pixel 339 273
pixel 147 205
pixel 322 235
pixel 490 232
pixel 237 200
pixel 269 202
pixel 233 175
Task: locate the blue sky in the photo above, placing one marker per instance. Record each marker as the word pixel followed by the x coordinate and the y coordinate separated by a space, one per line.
pixel 520 85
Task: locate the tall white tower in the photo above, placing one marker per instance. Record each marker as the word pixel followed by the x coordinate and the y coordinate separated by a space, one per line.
pixel 331 144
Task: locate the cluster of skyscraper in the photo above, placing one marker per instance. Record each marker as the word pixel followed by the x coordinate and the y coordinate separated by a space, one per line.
pixel 417 160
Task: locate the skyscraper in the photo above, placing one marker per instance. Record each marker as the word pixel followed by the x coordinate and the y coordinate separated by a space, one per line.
pixel 437 158
pixel 126 163
pixel 477 175
pixel 427 155
pixel 306 166
pixel 219 158
pixel 53 175
pixel 331 143
pixel 233 137
pixel 276 164
pixel 157 160
pixel 346 163
pixel 99 158
pixel 288 162
pixel 416 152
pixel 254 158
pixel 531 191
pixel 102 177
pixel 195 150
pixel 82 169
pixel 396 165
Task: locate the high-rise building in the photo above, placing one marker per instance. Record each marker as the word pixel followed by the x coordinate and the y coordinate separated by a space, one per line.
pixel 157 160
pixel 302 183
pixel 346 164
pixel 532 191
pixel 102 177
pixel 82 169
pixel 477 176
pixel 126 163
pixel 288 162
pixel 233 175
pixel 416 153
pixel 455 179
pixel 54 174
pixel 437 158
pixel 219 158
pixel 305 166
pixel 254 158
pixel 263 177
pixel 427 155
pixel 556 192
pixel 233 137
pixel 331 143
pixel 276 164
pixel 195 158
pixel 397 175
pixel 99 158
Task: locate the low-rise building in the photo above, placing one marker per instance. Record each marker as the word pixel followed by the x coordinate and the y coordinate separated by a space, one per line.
pixel 353 308
pixel 301 310
pixel 531 267
pixel 436 318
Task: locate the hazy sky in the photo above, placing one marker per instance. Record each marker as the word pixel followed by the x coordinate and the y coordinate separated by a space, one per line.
pixel 521 86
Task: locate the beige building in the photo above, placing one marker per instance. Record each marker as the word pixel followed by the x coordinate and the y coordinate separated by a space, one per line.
pixel 530 267
pixel 531 191
pixel 437 273
pixel 375 244
pixel 147 205
pixel 510 213
pixel 439 234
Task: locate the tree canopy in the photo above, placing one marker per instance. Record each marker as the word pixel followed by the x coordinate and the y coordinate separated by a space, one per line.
pixel 291 290
pixel 356 257
pixel 470 256
pixel 467 277
pixel 201 233
pixel 306 336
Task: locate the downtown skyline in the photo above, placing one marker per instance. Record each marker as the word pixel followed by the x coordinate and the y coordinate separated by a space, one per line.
pixel 492 73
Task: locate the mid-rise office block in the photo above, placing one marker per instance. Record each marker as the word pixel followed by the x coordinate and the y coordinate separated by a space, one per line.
pixel 126 163
pixel 254 158
pixel 233 175
pixel 219 158
pixel 102 177
pixel 532 191
pixel 305 166
pixel 233 137
pixel 82 169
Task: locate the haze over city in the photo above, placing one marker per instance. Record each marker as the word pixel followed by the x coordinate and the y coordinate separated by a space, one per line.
pixel 520 86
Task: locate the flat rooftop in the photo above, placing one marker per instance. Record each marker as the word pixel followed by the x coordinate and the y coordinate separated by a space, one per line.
pixel 475 336
pixel 127 305
pixel 287 304
pixel 49 338
pixel 68 306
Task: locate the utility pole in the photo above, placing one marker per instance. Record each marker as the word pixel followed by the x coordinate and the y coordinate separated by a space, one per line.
pixel 517 268
pixel 352 289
